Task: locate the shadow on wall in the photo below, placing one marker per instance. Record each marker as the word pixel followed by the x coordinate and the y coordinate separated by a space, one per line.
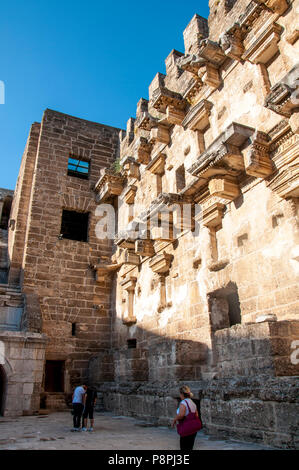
pixel 3 383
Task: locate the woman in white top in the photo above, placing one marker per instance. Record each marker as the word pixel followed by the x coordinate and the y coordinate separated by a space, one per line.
pixel 186 442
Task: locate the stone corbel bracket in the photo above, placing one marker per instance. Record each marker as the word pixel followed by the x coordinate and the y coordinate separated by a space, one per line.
pixel 105 271
pixel 109 186
pixel 223 156
pixel 283 97
pixel 286 183
pixel 204 66
pixel 160 265
pixel 144 247
pixel 276 6
pixel 160 133
pixel 125 240
pixel 130 194
pixel 256 157
pixel 231 42
pixel 170 103
pixel 142 150
pixel 129 257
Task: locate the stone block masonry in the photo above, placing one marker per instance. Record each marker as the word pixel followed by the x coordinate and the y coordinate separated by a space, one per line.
pixel 62 298
pixel 210 299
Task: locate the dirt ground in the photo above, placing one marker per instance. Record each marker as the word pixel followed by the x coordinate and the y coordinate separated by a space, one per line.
pixel 53 432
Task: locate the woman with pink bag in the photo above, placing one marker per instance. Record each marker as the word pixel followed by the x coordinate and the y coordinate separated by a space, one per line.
pixel 187 418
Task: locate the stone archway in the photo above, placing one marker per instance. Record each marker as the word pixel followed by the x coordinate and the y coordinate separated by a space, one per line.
pixel 3 384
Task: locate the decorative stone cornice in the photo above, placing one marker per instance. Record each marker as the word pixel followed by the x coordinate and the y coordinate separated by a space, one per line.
pixel 159 203
pixel 109 185
pixel 130 194
pixel 197 117
pixel 223 153
pixel 159 133
pixel 283 97
pixel 286 182
pixel 157 165
pixel 130 167
pixel 129 283
pixel 232 43
pixel 252 12
pixel 262 49
pixel 211 52
pixel 226 187
pixel 144 247
pixel 105 271
pixel 129 257
pixel 277 6
pixel 212 213
pixel 193 89
pixel 174 116
pixel 146 121
pixel 162 97
pixel 256 157
pixel 161 263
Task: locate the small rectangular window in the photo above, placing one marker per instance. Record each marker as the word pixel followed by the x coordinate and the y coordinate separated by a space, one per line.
pixel 73 329
pixel 131 343
pixel 74 225
pixel 78 168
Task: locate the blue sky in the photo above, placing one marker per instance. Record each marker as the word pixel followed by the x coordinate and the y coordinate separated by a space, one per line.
pixel 90 59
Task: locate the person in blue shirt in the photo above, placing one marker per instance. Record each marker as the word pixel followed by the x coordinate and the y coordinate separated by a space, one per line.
pixel 78 401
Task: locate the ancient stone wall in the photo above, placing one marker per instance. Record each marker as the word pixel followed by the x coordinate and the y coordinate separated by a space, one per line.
pixel 62 298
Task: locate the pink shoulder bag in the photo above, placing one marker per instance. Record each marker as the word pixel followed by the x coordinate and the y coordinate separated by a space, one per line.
pixel 190 424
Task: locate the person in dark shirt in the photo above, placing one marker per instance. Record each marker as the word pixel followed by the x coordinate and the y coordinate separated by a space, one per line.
pixel 90 401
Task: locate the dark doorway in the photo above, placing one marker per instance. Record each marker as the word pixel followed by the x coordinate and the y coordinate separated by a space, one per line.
pixel 54 376
pixel 2 390
pixel 74 225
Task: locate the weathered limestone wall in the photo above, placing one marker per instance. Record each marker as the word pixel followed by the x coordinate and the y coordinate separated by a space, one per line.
pixel 20 206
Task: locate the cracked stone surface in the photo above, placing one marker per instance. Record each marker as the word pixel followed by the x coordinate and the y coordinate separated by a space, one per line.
pixel 53 432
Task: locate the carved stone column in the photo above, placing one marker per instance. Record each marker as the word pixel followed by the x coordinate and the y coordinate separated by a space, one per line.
pixel 129 285
pixel 160 264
